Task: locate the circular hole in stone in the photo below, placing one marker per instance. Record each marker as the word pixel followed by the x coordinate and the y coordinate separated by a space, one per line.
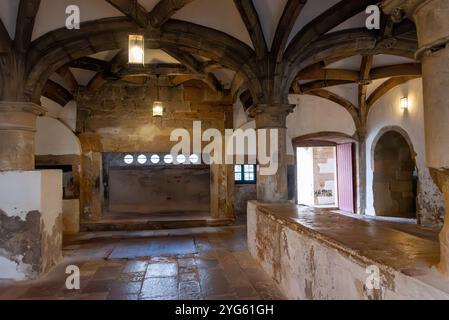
pixel 142 159
pixel 181 158
pixel 194 158
pixel 155 159
pixel 168 159
pixel 128 159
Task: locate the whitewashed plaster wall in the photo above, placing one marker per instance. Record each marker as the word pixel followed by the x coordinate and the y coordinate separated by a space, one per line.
pixel 55 138
pixel 66 114
pixel 54 134
pixel 307 118
pixel 314 114
pixel 385 113
pixel 23 194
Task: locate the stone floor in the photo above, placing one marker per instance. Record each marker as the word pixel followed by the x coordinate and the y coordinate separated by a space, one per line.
pixel 190 264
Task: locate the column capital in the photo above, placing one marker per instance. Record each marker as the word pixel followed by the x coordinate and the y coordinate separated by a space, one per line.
pixel 15 115
pixel 22 106
pixel 271 116
pixel 431 21
pixel 393 7
pixel 361 134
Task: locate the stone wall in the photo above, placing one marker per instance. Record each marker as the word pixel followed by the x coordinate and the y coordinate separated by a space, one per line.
pixel 117 118
pixel 324 175
pixel 243 193
pixel 395 177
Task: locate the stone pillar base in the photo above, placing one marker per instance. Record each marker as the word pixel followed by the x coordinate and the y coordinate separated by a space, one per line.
pixel 30 223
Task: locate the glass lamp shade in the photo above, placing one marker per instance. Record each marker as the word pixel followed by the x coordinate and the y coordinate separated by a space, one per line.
pixel 404 103
pixel 158 109
pixel 136 49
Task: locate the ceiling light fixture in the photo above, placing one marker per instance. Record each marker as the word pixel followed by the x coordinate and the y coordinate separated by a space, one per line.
pixel 136 49
pixel 158 105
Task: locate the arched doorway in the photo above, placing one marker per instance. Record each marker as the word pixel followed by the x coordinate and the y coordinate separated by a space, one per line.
pixel 395 176
pixel 325 167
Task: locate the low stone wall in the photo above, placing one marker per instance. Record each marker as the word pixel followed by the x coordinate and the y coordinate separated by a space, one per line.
pixel 311 266
pixel 30 223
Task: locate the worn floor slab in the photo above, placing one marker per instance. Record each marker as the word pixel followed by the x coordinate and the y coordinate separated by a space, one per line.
pixel 209 263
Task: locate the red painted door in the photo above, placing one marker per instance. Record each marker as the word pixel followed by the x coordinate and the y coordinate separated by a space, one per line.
pixel 345 178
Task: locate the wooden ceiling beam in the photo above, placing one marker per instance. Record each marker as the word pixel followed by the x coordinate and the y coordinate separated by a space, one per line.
pixel 317 72
pixel 91 64
pixel 292 10
pixel 57 93
pixel 186 59
pixel 250 17
pixel 321 84
pixel 164 10
pixel 5 39
pixel 365 68
pixel 324 23
pixel 406 69
pixel 25 24
pixel 133 10
pixel 68 76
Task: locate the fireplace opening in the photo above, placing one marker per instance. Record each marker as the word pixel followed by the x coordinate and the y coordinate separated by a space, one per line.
pixel 155 185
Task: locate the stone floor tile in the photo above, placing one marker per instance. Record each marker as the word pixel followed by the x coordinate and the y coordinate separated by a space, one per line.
pixel 121 288
pixel 159 289
pixel 161 270
pixel 220 269
pixel 132 277
pixel 204 263
pixel 98 286
pixel 107 273
pixel 214 283
pixel 188 276
pixel 136 266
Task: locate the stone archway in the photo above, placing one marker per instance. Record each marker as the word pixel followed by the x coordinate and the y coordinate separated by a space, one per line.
pixel 395 178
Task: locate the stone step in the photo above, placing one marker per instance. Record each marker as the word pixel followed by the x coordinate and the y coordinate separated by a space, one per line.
pixel 142 225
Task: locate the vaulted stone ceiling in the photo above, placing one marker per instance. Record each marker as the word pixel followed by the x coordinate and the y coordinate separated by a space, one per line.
pixel 325 49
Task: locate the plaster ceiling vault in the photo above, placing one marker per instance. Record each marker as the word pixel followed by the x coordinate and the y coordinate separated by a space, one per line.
pixel 322 44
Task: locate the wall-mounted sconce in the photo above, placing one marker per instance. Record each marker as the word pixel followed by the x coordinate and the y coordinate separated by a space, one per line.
pixel 136 49
pixel 404 103
pixel 158 105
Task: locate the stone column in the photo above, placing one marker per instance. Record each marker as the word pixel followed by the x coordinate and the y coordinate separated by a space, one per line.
pixel 17 135
pixel 432 22
pixel 273 188
pixel 361 172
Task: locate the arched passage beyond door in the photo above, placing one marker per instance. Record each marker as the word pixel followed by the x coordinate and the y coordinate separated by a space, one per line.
pixel 395 177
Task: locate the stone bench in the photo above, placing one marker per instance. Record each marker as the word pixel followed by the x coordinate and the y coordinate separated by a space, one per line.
pixel 317 254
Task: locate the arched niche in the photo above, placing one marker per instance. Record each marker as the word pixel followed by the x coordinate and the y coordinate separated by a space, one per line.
pixel 395 176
